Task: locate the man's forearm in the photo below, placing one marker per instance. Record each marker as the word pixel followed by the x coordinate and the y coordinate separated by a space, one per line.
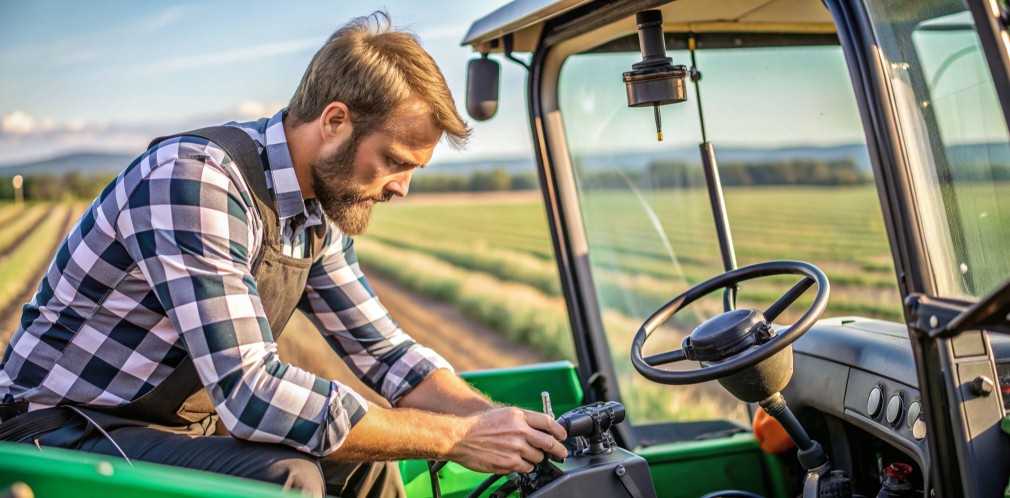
pixel 499 440
pixel 444 392
pixel 398 433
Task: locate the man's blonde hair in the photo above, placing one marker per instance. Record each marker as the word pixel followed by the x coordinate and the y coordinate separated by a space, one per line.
pixel 372 68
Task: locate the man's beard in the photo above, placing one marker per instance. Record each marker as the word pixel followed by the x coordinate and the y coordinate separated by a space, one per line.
pixel 332 181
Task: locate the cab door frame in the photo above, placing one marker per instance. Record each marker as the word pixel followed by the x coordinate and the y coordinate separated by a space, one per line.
pixel 959 465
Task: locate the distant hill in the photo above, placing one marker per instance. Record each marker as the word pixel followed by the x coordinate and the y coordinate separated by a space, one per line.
pixel 84 162
pixel 638 160
pixel 103 162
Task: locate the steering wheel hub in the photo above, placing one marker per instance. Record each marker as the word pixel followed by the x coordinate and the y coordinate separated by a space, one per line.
pixel 725 335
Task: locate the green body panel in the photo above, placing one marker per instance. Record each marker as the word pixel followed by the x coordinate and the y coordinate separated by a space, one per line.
pixel 1005 425
pixel 694 468
pixel 521 386
pixel 518 386
pixel 688 469
pixel 55 472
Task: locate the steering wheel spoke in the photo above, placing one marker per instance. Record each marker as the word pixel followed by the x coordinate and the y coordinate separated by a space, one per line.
pixel 665 358
pixel 783 303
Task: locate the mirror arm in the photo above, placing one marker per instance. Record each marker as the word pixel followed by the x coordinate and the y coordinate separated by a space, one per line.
pixel 991 313
pixel 507 42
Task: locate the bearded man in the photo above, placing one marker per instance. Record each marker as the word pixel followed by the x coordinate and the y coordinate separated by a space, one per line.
pixel 157 318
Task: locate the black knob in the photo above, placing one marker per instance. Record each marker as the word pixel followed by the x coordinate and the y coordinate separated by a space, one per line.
pixel 875 401
pixel 981 386
pixel 914 410
pixel 894 408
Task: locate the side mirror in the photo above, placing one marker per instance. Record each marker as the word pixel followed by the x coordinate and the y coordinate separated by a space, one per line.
pixel 482 77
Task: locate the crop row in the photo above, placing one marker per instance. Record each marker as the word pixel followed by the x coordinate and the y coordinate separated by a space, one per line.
pixel 522 227
pixel 527 315
pixel 629 292
pixel 20 226
pixel 21 267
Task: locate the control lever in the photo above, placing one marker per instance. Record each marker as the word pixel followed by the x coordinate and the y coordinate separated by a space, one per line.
pixel 588 427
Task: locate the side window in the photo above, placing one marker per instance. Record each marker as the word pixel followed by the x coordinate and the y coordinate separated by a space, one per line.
pixel 957 140
pixel 797 183
pixel 807 192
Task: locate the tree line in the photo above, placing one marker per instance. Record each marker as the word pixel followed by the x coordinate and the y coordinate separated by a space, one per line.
pixel 69 186
pixel 660 174
pixel 656 175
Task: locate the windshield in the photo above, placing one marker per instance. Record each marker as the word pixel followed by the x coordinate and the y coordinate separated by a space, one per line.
pixel 798 186
pixel 955 138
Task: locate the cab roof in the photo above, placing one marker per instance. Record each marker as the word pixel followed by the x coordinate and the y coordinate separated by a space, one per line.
pixel 525 19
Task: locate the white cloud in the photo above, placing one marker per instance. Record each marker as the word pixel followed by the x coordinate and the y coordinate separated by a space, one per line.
pixel 20 123
pixel 254 109
pixel 17 123
pixel 25 137
pixel 163 18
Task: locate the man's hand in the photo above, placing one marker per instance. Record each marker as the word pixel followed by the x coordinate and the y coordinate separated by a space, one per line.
pixel 504 440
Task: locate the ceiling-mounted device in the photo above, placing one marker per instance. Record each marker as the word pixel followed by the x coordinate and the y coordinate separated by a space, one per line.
pixel 654 81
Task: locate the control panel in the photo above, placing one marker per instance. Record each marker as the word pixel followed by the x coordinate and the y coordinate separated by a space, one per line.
pixel 886 403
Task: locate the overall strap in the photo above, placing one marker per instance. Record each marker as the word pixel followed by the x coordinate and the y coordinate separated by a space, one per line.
pixel 243 150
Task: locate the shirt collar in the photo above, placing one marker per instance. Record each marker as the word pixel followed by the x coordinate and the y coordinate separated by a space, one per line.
pixel 281 176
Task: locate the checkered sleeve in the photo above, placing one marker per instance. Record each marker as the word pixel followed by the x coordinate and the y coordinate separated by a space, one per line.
pixel 187 226
pixel 347 312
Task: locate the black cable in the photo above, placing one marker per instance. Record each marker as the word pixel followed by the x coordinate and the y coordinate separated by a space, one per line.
pixel 433 468
pixel 507 42
pixel 732 493
pixel 484 485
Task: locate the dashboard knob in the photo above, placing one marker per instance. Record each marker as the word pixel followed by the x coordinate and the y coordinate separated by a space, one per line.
pixel 919 429
pixel 914 410
pixel 874 402
pixel 893 415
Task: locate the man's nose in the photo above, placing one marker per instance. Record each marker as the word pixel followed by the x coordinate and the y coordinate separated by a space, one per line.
pixel 400 185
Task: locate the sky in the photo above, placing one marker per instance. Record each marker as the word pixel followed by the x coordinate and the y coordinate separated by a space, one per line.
pixel 111 75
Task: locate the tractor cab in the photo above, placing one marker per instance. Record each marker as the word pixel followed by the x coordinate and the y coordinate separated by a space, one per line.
pixel 789 211
pixel 705 282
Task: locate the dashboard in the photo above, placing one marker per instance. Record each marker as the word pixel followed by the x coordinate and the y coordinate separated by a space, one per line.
pixel 855 386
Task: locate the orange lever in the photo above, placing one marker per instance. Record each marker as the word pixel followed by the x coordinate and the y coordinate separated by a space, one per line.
pixel 771 436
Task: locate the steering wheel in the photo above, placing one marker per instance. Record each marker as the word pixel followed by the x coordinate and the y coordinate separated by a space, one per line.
pixel 735 340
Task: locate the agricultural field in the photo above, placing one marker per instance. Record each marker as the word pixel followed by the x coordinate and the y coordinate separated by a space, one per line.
pixel 29 234
pixel 485 263
pixel 493 259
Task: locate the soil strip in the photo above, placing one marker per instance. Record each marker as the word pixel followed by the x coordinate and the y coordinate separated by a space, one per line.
pixel 15 241
pixel 10 314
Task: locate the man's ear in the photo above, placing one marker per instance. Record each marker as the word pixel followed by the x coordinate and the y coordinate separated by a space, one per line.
pixel 335 121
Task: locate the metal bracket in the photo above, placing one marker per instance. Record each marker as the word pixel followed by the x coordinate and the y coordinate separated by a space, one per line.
pixel 628 482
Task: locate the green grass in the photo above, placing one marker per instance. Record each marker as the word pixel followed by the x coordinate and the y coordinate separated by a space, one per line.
pixel 527 315
pixel 493 260
pixel 478 255
pixel 840 230
pixel 24 220
pixel 21 267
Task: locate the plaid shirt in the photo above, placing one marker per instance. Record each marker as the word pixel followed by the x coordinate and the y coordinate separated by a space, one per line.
pixel 158 268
